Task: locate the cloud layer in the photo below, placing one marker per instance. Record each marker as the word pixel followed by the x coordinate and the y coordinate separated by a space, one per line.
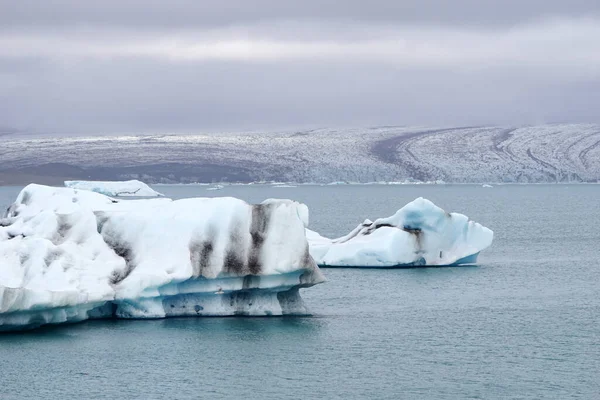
pixel 141 66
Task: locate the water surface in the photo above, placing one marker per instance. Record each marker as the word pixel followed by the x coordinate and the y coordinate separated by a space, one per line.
pixel 523 324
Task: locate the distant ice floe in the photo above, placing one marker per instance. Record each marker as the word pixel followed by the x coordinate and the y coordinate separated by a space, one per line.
pixel 132 188
pixel 68 255
pixel 486 186
pixel 388 183
pixel 216 187
pixel 419 234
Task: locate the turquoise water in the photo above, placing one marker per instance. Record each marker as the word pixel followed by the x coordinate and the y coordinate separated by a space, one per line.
pixel 522 324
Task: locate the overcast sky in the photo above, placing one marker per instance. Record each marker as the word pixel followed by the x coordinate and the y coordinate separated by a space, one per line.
pixel 194 66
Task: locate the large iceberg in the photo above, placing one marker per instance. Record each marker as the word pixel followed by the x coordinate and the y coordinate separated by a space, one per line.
pixel 67 255
pixel 132 188
pixel 419 234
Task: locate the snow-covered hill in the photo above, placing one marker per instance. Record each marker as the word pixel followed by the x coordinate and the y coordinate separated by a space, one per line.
pixel 548 153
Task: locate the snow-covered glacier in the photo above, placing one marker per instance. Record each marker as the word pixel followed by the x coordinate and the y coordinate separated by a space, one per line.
pixel 419 234
pixel 131 188
pixel 67 255
pixel 477 154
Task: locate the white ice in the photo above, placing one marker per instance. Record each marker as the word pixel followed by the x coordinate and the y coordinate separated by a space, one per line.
pixel 216 187
pixel 420 233
pixel 67 255
pixel 132 188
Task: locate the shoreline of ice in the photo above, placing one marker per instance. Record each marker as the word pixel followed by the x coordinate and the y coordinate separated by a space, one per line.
pixel 391 183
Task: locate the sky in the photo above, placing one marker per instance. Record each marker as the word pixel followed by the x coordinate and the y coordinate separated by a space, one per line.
pixel 149 66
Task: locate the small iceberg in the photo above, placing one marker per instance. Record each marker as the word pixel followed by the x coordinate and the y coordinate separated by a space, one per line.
pixel 419 234
pixel 486 185
pixel 69 255
pixel 132 188
pixel 216 187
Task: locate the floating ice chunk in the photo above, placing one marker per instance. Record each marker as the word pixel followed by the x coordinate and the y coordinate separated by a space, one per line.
pixel 67 255
pixel 117 188
pixel 216 187
pixel 420 233
pixel 486 186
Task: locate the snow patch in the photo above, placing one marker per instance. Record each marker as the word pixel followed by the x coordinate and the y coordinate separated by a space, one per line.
pixel 132 188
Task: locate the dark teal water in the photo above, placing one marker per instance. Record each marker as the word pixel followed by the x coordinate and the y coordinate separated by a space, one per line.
pixel 523 324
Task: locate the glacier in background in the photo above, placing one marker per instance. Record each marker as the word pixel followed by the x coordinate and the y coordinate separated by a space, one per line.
pixel 545 153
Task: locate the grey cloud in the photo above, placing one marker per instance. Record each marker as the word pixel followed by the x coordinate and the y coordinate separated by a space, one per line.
pixel 136 96
pixel 193 14
pixel 189 66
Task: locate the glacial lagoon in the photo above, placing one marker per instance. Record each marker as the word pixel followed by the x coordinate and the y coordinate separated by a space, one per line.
pixel 520 324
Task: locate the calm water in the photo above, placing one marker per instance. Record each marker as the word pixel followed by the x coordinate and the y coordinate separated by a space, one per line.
pixel 523 324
